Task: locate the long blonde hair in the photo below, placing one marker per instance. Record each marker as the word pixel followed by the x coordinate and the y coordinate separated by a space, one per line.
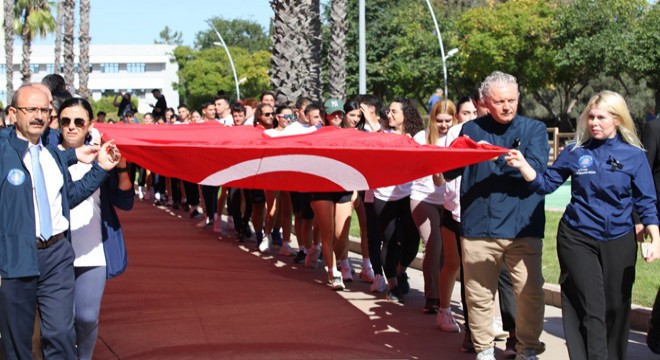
pixel 614 104
pixel 441 107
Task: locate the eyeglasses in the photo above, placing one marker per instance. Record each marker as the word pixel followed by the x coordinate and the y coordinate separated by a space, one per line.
pixel 32 110
pixel 80 123
pixel 268 114
pixel 287 117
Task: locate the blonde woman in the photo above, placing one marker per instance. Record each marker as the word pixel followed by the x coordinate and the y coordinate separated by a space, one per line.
pixel 610 177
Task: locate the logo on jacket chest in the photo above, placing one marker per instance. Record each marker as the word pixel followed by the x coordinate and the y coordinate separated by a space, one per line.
pixel 584 162
pixel 16 177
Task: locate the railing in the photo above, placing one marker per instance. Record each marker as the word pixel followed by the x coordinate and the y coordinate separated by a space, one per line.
pixel 557 142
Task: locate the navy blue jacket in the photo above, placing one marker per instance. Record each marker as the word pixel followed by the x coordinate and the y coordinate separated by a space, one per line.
pixel 113 237
pixel 18 251
pixel 608 178
pixel 496 202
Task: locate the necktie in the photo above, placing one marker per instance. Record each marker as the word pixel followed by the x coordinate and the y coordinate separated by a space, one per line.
pixel 43 205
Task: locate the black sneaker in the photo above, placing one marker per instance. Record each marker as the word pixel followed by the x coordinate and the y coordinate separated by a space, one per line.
pixel 195 214
pixel 300 257
pixel 395 294
pixel 431 306
pixel 402 282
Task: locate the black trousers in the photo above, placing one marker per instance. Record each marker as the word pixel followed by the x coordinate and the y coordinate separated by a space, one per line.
pixel 596 289
pixel 399 234
pixel 52 292
pixel 655 314
pixel 210 194
pixel 234 208
pixel 192 193
pixel 175 184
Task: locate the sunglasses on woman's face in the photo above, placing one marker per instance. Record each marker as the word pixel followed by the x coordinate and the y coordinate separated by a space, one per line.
pixel 80 123
pixel 287 117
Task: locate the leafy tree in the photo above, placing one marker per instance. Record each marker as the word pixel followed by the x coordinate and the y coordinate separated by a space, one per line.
pixel 645 59
pixel 32 17
pixel 588 49
pixel 168 37
pixel 246 34
pixel 203 72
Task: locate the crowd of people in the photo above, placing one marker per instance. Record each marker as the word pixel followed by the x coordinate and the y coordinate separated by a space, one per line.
pixel 484 222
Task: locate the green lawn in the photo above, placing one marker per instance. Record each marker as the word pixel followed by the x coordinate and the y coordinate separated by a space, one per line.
pixel 646 283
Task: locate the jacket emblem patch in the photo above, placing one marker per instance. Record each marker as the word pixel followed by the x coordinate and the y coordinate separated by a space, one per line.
pixel 16 177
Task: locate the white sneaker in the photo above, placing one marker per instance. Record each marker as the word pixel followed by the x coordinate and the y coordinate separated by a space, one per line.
pixel 367 274
pixel 140 193
pixel 286 249
pixel 378 284
pixel 337 283
pixel 498 332
pixel 312 257
pixel 346 273
pixel 265 244
pixel 487 354
pixel 445 321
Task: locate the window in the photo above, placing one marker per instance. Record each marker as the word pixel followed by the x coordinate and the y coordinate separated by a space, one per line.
pixel 3 69
pixel 110 68
pixel 135 67
pixel 50 68
pixel 34 68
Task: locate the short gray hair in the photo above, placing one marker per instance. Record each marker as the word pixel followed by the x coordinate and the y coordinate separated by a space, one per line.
pixel 496 77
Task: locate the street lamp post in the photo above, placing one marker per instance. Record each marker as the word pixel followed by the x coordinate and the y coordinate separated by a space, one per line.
pixel 451 52
pixel 231 61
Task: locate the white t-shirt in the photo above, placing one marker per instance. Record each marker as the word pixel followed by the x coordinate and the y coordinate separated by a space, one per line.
pixel 453 187
pixel 227 120
pixel 249 121
pixel 423 189
pixel 394 192
pixel 298 128
pixel 86 235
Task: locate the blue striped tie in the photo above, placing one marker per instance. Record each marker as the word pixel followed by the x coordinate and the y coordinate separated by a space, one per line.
pixel 42 195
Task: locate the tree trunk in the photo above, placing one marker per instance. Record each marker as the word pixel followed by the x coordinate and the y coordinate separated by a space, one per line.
pixel 84 40
pixel 69 56
pixel 337 50
pixel 287 56
pixel 58 40
pixel 26 73
pixel 9 47
pixel 314 50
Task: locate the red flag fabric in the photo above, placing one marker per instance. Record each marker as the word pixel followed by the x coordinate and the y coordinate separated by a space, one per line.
pixel 330 159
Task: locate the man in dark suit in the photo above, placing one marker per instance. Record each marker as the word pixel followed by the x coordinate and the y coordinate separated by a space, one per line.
pixel 37 265
pixel 651 141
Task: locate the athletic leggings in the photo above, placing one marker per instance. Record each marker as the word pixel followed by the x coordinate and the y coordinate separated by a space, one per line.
pixel 399 234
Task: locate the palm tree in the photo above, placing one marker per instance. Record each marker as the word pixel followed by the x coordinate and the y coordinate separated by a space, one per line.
pixel 9 47
pixel 68 55
pixel 83 40
pixel 337 51
pixel 33 17
pixel 58 39
pixel 287 54
pixel 314 49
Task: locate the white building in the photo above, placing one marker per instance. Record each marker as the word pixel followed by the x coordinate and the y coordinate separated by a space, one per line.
pixel 137 69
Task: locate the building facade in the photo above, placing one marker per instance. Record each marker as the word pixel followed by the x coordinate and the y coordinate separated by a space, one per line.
pixel 115 69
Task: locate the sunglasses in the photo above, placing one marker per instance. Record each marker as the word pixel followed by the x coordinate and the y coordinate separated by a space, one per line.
pixel 287 117
pixel 268 114
pixel 80 123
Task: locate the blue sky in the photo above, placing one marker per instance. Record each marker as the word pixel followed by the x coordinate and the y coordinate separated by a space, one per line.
pixel 140 21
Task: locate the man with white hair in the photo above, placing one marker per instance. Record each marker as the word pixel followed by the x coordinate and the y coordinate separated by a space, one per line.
pixel 502 220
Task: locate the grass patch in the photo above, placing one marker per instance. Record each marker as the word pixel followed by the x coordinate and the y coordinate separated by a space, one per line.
pixel 646 280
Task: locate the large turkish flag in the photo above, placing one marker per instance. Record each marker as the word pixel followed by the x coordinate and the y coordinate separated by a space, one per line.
pixel 330 159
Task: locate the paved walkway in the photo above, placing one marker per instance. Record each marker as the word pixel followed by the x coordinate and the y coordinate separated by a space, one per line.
pixel 188 294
